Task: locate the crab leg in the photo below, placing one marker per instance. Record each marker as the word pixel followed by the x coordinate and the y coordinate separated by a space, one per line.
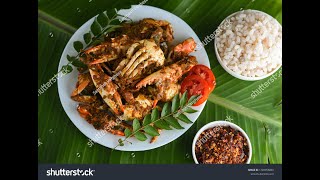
pixel 139 68
pixel 83 81
pixel 84 99
pixel 94 49
pixel 134 57
pixel 129 54
pixel 121 65
pixel 104 58
pixel 131 50
pixel 107 90
pixel 143 57
pixel 172 72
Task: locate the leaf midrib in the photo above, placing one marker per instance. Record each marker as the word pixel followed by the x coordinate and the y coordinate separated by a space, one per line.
pixel 243 110
pixel 56 22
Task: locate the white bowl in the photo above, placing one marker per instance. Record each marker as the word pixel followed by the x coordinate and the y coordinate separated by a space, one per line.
pixel 215 124
pixel 239 76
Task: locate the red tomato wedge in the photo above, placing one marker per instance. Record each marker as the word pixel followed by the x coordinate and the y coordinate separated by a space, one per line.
pixel 195 85
pixel 205 73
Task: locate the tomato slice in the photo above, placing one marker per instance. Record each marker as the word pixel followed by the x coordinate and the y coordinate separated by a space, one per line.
pixel 195 85
pixel 205 73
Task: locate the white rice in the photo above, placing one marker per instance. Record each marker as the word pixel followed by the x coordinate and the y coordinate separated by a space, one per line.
pixel 251 45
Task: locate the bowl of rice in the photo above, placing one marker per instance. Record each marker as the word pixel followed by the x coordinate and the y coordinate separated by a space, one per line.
pixel 250 47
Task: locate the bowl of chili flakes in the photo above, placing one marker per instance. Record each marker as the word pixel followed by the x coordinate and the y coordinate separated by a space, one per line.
pixel 221 142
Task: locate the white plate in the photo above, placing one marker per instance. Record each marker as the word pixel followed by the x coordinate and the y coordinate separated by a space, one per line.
pixel 67 83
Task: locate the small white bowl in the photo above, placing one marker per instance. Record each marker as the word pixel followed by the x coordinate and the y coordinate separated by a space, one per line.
pixel 239 76
pixel 215 124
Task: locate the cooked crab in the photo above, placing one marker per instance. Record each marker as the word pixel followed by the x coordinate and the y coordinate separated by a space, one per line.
pixel 159 30
pixel 100 118
pixel 130 72
pixel 165 80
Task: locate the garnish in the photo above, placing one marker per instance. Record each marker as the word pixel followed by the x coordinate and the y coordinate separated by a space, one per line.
pixel 101 26
pixel 195 85
pixel 205 73
pixel 170 114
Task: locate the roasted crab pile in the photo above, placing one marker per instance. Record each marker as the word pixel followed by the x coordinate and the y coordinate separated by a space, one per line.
pixel 134 69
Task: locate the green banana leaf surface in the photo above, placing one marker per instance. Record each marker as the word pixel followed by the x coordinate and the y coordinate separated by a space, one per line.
pixel 59 141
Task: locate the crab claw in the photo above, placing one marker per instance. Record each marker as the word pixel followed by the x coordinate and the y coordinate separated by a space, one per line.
pixel 83 81
pixel 181 50
pixel 108 90
pixel 186 47
pixel 83 111
pixel 108 51
pixel 169 73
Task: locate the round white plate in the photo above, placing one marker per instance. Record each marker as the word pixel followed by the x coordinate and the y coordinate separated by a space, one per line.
pixel 67 83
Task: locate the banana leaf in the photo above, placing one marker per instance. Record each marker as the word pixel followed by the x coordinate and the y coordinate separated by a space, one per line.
pixel 59 141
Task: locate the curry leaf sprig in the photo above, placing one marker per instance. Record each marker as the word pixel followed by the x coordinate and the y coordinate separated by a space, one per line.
pixel 101 26
pixel 166 119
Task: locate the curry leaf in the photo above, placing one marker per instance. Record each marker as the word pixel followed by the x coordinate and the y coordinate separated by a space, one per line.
pixel 173 122
pixel 103 19
pixel 95 28
pixel 87 37
pixel 127 132
pixel 183 99
pixel 175 103
pixel 146 120
pixel 165 109
pixel 78 46
pixel 188 109
pixel 162 125
pixel 78 63
pixel 183 118
pixel 154 114
pixel 136 124
pixel 151 131
pixel 140 136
